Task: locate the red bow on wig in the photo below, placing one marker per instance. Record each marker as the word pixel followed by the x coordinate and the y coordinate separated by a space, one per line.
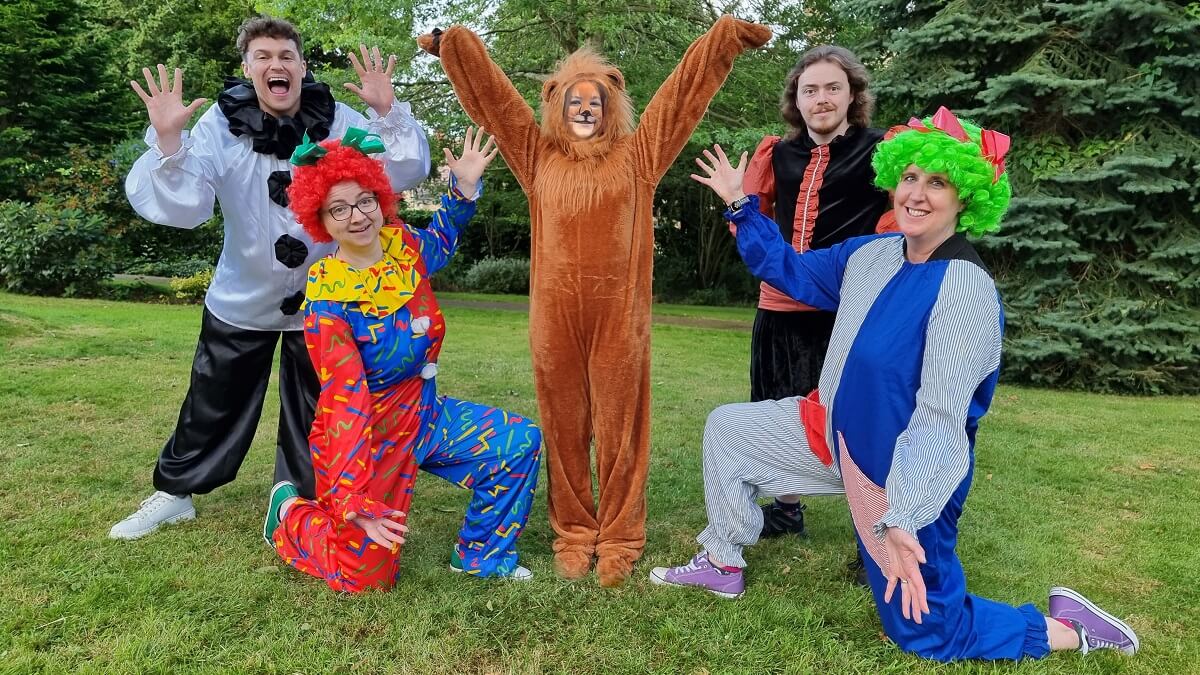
pixel 993 143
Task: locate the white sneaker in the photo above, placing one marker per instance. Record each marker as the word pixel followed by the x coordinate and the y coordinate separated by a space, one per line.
pixel 519 573
pixel 158 509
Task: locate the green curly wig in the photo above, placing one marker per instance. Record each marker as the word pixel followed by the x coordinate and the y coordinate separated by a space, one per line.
pixel 963 163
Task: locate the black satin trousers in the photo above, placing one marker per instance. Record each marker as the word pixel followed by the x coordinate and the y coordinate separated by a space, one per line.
pixel 787 350
pixel 220 413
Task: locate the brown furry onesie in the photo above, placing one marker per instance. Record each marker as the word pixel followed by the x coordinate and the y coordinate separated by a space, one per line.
pixel 591 206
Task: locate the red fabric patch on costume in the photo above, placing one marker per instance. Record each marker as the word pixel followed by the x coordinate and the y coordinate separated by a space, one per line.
pixel 812 414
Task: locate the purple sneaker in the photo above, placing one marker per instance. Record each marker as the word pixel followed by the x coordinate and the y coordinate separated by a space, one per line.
pixel 1097 628
pixel 702 573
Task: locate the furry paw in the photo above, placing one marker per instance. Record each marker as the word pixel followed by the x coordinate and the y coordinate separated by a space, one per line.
pixel 572 564
pixel 613 571
pixel 431 42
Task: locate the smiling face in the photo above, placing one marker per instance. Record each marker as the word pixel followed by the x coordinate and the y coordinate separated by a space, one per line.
pixel 927 206
pixel 584 109
pixel 342 214
pixel 275 68
pixel 823 97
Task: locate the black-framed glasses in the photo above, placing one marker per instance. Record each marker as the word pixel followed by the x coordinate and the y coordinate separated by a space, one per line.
pixel 368 204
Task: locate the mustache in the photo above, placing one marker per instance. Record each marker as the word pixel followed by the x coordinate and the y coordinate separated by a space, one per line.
pixel 584 119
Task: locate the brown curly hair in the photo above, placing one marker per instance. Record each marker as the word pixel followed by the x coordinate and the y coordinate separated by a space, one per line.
pixel 862 102
pixel 311 184
pixel 267 26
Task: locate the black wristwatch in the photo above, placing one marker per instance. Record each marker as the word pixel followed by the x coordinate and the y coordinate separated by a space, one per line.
pixel 737 204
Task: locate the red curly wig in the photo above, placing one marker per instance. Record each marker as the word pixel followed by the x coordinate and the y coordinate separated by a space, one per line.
pixel 311 184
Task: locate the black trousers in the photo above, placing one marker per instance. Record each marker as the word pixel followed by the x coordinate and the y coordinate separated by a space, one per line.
pixel 787 350
pixel 220 413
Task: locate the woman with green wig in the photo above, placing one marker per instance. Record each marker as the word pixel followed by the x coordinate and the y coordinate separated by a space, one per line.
pixel 911 368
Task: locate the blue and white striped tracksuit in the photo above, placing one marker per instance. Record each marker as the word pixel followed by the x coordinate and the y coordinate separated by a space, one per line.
pixel 911 368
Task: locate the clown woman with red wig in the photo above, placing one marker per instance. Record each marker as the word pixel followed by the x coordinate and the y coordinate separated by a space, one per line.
pixel 374 331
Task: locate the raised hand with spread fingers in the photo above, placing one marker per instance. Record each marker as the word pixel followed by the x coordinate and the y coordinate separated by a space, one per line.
pixel 164 104
pixel 375 76
pixel 724 178
pixel 476 155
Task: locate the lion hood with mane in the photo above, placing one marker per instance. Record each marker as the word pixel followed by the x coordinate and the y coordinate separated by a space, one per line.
pixel 586 65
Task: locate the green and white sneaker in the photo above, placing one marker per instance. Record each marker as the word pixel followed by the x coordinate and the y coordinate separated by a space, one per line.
pixel 280 493
pixel 519 573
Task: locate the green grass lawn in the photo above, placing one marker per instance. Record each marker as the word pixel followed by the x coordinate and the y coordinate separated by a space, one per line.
pixel 1096 492
pixel 743 314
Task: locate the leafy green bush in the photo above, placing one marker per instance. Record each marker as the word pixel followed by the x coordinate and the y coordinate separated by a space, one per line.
pixel 499 275
pixel 52 248
pixel 452 277
pixel 134 290
pixel 415 217
pixel 182 267
pixel 93 179
pixel 193 288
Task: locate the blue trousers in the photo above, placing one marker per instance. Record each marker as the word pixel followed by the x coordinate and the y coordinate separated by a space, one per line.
pixel 960 625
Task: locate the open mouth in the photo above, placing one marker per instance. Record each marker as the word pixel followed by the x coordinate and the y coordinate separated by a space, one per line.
pixel 279 85
pixel 916 213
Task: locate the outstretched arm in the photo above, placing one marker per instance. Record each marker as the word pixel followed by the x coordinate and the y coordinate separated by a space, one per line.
pixel 488 96
pixel 437 243
pixel 174 182
pixel 814 278
pixel 407 158
pixel 681 101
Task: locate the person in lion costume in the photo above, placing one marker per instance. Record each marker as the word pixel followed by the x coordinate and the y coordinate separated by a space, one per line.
pixel 590 173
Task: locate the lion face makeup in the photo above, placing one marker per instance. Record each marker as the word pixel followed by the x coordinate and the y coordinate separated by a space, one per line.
pixel 584 112
pixel 585 108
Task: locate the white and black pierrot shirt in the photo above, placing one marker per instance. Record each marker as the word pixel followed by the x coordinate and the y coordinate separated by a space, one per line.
pixel 237 156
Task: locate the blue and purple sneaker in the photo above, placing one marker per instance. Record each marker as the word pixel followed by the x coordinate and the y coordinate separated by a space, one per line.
pixel 1097 628
pixel 702 574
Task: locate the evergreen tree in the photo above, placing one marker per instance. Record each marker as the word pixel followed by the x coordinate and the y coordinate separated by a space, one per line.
pixel 1098 260
pixel 54 89
pixel 196 35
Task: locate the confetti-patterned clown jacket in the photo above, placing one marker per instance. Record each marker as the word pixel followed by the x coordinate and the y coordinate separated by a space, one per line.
pixel 374 336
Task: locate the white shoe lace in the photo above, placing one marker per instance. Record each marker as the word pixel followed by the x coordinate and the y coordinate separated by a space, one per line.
pixel 150 505
pixel 696 563
pixel 1088 642
pixel 1099 643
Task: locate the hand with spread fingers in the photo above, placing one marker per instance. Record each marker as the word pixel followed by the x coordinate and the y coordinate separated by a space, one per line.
pixel 383 531
pixel 376 88
pixel 724 178
pixel 476 155
pixel 164 104
pixel 905 554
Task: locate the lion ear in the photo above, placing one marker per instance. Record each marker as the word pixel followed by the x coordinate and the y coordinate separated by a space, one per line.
pixel 615 79
pixel 549 88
